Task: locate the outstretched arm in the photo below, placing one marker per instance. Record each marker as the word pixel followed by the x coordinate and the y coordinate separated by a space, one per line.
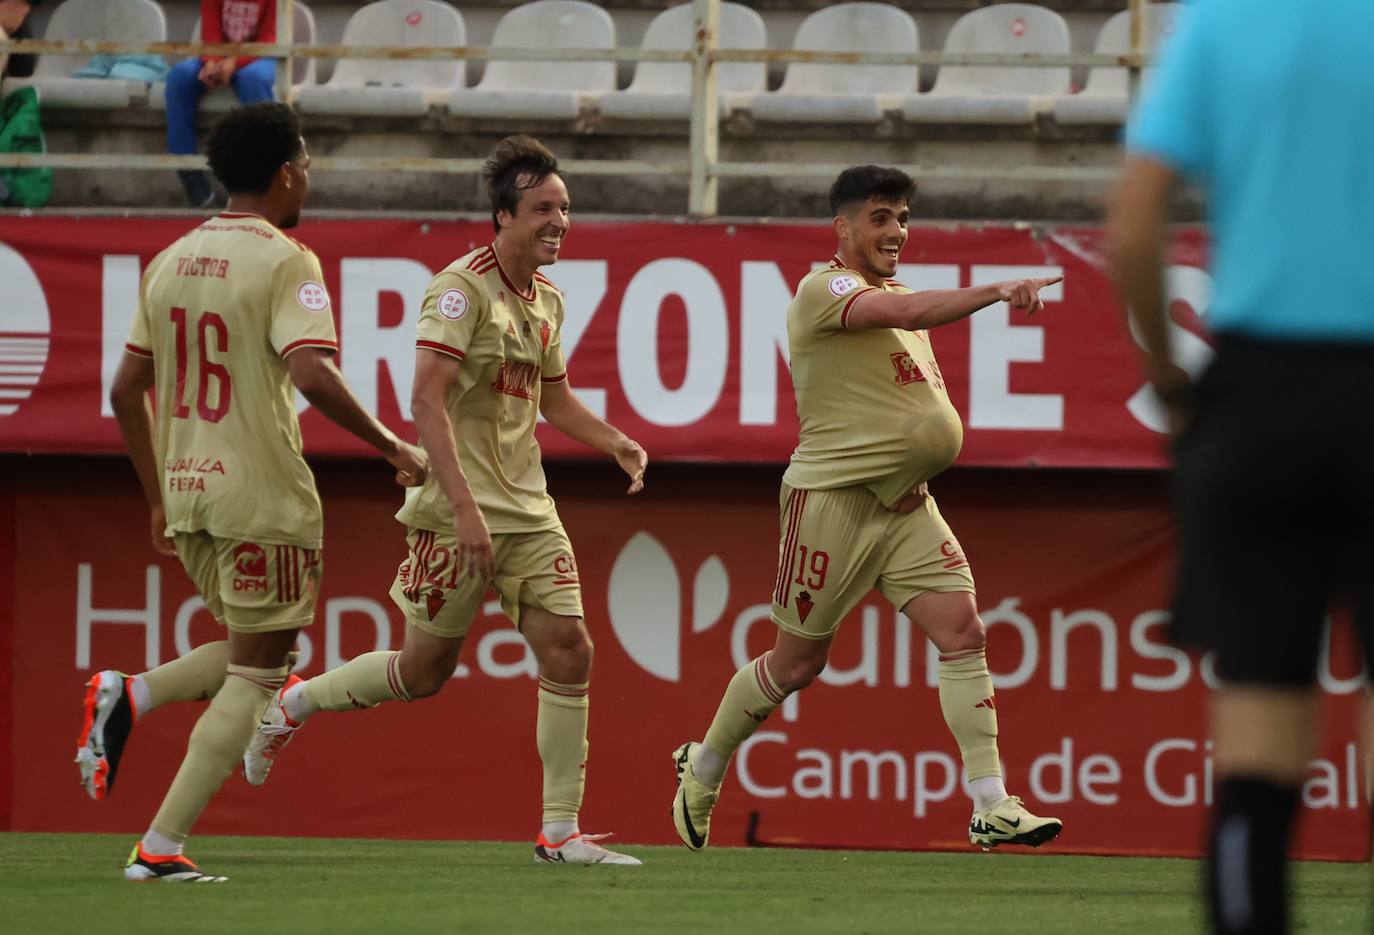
pixel 313 372
pixel 570 416
pixel 921 311
pixel 1136 225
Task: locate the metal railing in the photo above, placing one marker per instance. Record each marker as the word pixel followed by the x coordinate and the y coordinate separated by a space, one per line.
pixel 703 166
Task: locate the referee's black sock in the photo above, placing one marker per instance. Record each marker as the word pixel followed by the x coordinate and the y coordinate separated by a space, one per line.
pixel 1247 877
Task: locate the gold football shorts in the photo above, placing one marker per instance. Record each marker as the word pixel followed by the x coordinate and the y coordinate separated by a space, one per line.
pixel 837 545
pixel 534 569
pixel 252 587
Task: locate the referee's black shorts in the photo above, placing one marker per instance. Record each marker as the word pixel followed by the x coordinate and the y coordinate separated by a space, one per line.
pixel 1274 490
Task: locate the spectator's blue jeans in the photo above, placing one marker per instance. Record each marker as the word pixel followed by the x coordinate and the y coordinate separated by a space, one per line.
pixel 252 83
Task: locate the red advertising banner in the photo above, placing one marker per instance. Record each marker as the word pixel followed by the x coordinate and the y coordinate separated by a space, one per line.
pixel 676 332
pixel 1102 722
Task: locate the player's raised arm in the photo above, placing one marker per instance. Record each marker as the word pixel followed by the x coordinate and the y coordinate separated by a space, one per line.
pixel 435 373
pixel 313 372
pixel 569 415
pixel 921 311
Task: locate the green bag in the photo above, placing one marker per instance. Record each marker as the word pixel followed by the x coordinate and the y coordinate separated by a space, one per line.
pixel 21 131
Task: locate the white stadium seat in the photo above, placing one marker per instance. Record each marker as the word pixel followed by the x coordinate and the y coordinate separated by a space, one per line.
pixel 223 99
pixel 118 20
pixel 1103 98
pixel 663 90
pixel 542 90
pixel 989 94
pixel 390 87
pixel 845 93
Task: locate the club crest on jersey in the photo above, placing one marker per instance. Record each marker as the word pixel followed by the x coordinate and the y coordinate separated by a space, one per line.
pixel 453 304
pixel 843 285
pixel 908 371
pixel 313 297
pixel 544 333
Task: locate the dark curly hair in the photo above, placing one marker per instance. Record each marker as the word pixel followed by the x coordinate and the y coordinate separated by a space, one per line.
pixel 249 144
pixel 860 183
pixel 515 165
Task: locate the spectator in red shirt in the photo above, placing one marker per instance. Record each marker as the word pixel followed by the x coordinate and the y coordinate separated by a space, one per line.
pixel 251 78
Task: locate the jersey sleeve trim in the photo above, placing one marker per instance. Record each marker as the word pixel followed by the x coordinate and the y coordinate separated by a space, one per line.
pixel 558 379
pixel 308 342
pixel 844 313
pixel 140 351
pixel 441 348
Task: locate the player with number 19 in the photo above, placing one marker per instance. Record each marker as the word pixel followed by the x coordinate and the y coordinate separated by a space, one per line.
pixel 232 318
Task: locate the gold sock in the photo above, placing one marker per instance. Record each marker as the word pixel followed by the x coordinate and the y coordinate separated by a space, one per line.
pixel 196 676
pixel 217 744
pixel 561 734
pixel 363 682
pixel 749 698
pixel 967 700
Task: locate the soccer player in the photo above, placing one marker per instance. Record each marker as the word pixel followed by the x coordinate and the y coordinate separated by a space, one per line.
pixel 1273 444
pixel 489 360
pixel 876 425
pixel 230 318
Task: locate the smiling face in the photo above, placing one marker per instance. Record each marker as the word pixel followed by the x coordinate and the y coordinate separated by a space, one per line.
pixel 872 235
pixel 536 229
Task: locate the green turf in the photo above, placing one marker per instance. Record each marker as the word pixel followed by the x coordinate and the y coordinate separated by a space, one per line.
pixel 71 883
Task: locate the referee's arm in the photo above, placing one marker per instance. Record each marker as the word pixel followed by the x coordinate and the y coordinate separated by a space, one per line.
pixel 1136 225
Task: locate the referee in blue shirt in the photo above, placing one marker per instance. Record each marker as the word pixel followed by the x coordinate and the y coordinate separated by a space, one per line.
pixel 1268 106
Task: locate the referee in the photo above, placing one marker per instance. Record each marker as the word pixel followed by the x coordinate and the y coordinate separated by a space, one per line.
pixel 1267 105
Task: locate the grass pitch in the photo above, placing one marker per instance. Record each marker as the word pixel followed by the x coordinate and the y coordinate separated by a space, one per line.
pixel 57 883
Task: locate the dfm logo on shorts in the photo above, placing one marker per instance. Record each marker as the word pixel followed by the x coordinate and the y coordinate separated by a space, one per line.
pixel 646 604
pixel 250 565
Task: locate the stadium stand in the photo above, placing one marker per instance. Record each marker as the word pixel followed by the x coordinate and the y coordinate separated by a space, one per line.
pixel 771 112
pixel 543 90
pixel 663 90
pixel 129 20
pixel 380 86
pixel 844 93
pixel 981 94
pixel 222 99
pixel 1103 98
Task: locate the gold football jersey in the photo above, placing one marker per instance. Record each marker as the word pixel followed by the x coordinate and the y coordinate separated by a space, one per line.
pixel 872 404
pixel 510 344
pixel 218 312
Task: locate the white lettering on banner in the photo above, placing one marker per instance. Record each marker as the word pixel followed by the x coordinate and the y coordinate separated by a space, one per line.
pixel 1008 613
pixel 1188 796
pixel 119 286
pixel 1061 624
pixel 707 349
pixel 1328 681
pixel 583 284
pixel 1147 649
pixel 1096 770
pixel 764 297
pixel 644 602
pixel 874 763
pixel 24 331
pixel 334 610
pixel 995 344
pixel 746 779
pixel 524 665
pixel 87 615
pixel 368 344
pixel 1181 284
pixel 181 624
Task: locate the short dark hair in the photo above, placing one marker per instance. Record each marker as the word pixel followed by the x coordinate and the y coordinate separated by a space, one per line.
pixel 516 164
pixel 860 183
pixel 249 144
